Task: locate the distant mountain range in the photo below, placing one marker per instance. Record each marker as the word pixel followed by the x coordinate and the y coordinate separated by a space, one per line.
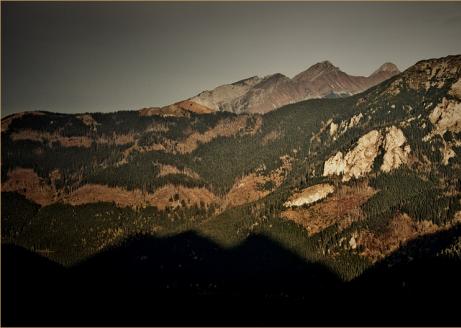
pixel 264 94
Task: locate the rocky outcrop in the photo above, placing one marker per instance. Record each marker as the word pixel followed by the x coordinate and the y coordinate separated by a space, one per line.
pixel 343 126
pixel 447 153
pixel 358 161
pixel 446 116
pixel 455 89
pixel 396 150
pixel 310 195
pixel 333 128
pixel 354 120
pixel 431 73
pixel 353 243
pixel 335 165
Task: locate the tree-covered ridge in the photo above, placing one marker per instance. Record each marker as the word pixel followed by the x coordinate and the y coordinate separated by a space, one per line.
pixel 218 162
pixel 218 153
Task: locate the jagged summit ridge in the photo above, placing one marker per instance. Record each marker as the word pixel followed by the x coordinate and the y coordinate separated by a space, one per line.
pixel 316 70
pixel 387 67
pixel 384 71
pixel 261 95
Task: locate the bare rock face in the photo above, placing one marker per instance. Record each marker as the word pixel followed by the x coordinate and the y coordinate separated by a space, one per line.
pixel 447 153
pixel 446 117
pixel 456 89
pixel 310 195
pixel 359 161
pixel 353 243
pixel 333 128
pixel 431 73
pixel 335 165
pixel 336 129
pixel 221 97
pixel 270 93
pixel 396 152
pixel 354 120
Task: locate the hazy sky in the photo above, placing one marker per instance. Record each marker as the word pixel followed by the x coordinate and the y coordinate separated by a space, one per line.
pixel 78 57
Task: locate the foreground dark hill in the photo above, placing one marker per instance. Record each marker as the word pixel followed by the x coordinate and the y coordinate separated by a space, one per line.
pixel 416 267
pixel 187 279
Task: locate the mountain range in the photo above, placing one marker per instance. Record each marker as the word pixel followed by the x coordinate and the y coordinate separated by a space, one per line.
pixel 263 94
pixel 230 192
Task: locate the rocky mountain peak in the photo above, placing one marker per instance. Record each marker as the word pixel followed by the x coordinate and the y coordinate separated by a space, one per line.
pixel 326 64
pixel 315 71
pixel 248 81
pixel 264 94
pixel 388 68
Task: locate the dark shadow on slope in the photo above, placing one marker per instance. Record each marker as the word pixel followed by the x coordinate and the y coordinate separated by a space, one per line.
pixel 180 280
pixel 416 266
pixel 417 282
pixel 187 280
pixel 27 278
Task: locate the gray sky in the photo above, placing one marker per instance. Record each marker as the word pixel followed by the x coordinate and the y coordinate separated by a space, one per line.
pixel 78 57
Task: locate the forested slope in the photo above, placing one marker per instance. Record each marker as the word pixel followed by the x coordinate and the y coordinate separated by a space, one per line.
pixel 371 173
